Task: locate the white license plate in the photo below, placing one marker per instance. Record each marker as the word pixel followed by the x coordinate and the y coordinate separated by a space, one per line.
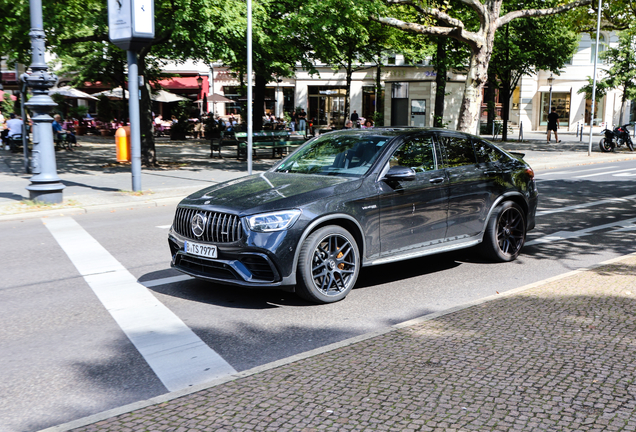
pixel 207 251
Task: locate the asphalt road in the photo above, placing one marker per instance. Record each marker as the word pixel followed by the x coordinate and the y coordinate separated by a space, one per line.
pixel 65 357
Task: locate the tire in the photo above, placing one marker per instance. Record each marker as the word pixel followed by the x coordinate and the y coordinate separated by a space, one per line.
pixel 505 233
pixel 630 144
pixel 605 146
pixel 328 265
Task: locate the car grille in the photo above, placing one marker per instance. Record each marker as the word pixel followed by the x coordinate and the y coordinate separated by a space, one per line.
pixel 205 267
pixel 219 227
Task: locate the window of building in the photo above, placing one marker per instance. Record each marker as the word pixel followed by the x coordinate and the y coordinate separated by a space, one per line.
pixel 232 92
pixel 602 44
pixel 560 101
pixel 288 99
pixel 368 101
pixel 400 90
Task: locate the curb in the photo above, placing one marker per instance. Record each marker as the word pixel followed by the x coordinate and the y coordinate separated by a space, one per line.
pixel 104 415
pixel 72 211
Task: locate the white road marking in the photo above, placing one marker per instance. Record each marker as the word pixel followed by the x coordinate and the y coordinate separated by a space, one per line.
pixel 178 356
pixel 165 281
pixel 627 174
pixel 625 225
pixel 575 172
pixel 164 226
pixel 605 173
pixel 585 205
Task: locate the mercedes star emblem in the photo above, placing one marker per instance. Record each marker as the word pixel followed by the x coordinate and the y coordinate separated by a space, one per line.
pixel 198 224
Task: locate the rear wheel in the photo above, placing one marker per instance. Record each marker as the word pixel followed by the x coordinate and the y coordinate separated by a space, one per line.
pixel 328 265
pixel 605 145
pixel 505 233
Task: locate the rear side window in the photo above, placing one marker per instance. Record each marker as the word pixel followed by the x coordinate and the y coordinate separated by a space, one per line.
pixel 417 153
pixel 487 153
pixel 458 150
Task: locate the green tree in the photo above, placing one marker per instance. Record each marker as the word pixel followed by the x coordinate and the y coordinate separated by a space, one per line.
pixel 622 71
pixel 477 30
pixel 184 29
pixel 526 46
pixel 340 34
pixel 277 47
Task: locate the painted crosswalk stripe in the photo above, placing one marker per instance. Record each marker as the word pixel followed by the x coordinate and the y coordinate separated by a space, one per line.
pixel 177 355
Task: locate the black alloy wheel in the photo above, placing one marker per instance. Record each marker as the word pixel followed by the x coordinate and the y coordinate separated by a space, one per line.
pixel 505 233
pixel 328 265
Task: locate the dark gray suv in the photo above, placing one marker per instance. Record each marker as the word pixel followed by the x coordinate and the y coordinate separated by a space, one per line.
pixel 350 199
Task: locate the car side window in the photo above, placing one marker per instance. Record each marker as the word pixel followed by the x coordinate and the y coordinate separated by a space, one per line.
pixel 459 151
pixel 417 153
pixel 487 153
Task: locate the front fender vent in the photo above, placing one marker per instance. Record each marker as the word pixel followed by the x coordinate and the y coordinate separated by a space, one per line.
pixel 218 227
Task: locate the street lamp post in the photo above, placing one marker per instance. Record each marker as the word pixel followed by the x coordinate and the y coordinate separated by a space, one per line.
pixel 45 184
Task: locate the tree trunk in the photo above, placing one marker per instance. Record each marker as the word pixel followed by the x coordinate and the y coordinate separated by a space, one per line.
pixel 347 106
pixel 440 82
pixel 148 153
pixel 469 111
pixel 379 98
pixel 489 99
pixel 259 102
pixel 505 107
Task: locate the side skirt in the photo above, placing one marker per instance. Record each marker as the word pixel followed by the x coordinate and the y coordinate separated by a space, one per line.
pixel 430 250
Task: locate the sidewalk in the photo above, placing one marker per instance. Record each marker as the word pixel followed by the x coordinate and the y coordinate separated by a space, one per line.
pixel 96 182
pixel 556 355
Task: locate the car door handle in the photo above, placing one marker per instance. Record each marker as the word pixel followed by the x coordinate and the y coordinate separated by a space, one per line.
pixel 437 180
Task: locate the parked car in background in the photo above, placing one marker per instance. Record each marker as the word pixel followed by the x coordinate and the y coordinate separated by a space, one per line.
pixel 355 198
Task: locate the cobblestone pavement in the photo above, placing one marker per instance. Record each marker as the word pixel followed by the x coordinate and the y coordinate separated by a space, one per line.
pixel 558 356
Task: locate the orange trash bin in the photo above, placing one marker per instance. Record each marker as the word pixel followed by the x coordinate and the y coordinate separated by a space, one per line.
pixel 122 142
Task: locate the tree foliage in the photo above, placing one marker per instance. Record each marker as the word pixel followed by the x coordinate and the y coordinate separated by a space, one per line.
pixel 475 24
pixel 619 72
pixel 526 46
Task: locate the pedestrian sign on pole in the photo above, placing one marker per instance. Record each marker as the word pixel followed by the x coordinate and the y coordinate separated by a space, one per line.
pixel 131 23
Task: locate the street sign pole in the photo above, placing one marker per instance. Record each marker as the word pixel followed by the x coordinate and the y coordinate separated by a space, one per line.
pixel 135 120
pixel 131 27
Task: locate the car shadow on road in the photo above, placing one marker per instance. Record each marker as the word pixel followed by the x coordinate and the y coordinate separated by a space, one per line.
pixel 263 298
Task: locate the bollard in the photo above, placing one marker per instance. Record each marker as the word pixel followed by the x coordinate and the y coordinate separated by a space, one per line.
pixel 122 142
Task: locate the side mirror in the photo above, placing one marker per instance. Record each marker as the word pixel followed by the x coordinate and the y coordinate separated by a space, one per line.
pixel 399 173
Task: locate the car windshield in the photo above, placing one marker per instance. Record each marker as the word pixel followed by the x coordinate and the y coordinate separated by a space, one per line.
pixel 349 154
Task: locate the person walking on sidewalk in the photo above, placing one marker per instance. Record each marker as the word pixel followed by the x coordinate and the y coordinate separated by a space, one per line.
pixel 553 125
pixel 302 121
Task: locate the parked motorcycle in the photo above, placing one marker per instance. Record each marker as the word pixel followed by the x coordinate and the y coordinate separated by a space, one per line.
pixel 616 138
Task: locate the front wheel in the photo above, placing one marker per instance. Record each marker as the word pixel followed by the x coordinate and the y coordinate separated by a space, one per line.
pixel 328 265
pixel 505 233
pixel 630 144
pixel 605 145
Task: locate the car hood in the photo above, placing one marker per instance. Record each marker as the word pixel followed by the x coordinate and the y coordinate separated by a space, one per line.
pixel 270 191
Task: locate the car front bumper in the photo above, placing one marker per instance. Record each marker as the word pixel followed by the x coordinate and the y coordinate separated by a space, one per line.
pixel 240 263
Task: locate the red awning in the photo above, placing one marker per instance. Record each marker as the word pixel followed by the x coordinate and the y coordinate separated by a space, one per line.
pixel 184 83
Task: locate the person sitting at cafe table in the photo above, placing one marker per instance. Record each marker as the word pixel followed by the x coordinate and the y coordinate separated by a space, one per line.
pixel 57 129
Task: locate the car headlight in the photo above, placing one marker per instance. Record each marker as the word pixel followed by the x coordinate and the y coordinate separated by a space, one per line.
pixel 276 221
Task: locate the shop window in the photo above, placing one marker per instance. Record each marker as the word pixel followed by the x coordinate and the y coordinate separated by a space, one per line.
pixel 560 101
